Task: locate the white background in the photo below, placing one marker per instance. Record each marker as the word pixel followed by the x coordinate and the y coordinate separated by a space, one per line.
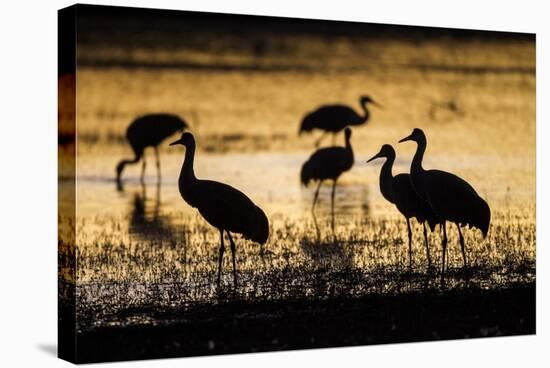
pixel 28 180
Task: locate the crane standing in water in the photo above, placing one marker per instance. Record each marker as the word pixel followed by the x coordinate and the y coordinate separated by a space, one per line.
pixel 450 197
pixel 328 163
pixel 399 191
pixel 221 205
pixel 149 131
pixel 334 118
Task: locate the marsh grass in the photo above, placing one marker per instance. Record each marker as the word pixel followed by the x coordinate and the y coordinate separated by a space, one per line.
pixel 118 274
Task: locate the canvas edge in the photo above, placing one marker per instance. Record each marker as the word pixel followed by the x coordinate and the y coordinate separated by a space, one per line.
pixel 66 52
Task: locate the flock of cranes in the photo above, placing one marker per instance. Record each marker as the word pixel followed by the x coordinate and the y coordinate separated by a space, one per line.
pixel 433 197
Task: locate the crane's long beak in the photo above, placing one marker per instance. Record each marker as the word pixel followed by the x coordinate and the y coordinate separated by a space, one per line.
pixel 176 142
pixel 407 138
pixel 373 157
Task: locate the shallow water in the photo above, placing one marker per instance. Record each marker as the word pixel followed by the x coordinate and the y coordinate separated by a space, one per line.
pixel 504 185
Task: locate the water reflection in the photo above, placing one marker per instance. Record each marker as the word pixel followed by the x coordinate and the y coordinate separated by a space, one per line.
pixel 350 199
pixel 146 221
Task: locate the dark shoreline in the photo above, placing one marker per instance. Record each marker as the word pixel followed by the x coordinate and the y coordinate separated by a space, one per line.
pixel 240 327
pixel 118 20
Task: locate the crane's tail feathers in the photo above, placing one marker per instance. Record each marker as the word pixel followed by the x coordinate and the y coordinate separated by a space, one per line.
pixel 306 174
pixel 482 217
pixel 486 218
pixel 260 227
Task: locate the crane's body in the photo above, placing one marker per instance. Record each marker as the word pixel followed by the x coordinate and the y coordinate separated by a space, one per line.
pixel 222 206
pixel 450 197
pixel 458 202
pixel 398 190
pixel 328 164
pixel 149 131
pixel 335 118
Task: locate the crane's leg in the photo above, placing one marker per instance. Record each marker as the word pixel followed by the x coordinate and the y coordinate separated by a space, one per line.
pixel 317 230
pixel 318 141
pixel 332 203
pixel 447 255
pixel 158 162
pixel 410 243
pixel 157 201
pixel 427 246
pixel 444 252
pixel 462 245
pixel 142 179
pixel 220 258
pixel 142 201
pixel 233 250
pixel 316 195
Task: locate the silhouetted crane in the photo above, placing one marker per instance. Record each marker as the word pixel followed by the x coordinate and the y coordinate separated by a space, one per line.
pixel 334 118
pixel 149 131
pixel 221 205
pixel 399 191
pixel 451 198
pixel 328 163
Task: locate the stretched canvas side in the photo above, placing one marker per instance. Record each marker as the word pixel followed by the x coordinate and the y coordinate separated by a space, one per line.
pixel 66 322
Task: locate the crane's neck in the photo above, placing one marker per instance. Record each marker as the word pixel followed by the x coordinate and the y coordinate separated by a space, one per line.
pixel 349 149
pixel 365 111
pixel 386 179
pixel 348 143
pixel 417 171
pixel 187 175
pixel 416 164
pixel 123 163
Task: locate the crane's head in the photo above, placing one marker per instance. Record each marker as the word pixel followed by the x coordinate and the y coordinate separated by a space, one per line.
pixel 386 151
pixel 367 99
pixel 417 135
pixel 185 140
